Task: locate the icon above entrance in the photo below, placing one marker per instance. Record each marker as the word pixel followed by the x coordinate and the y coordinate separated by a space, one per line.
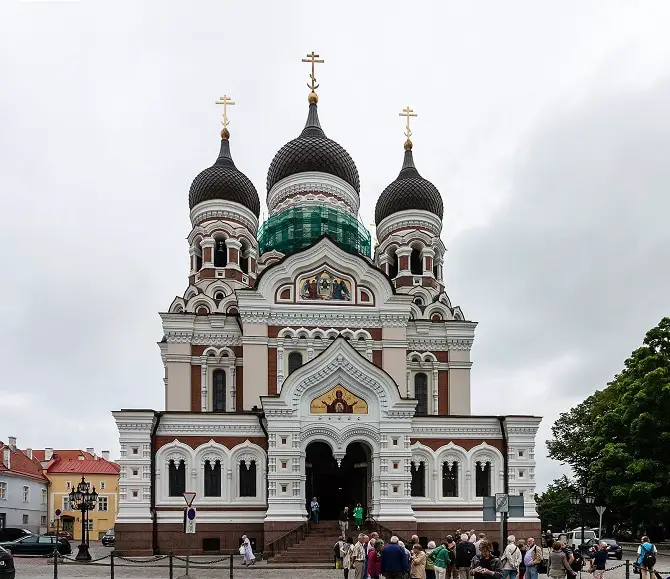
pixel 338 400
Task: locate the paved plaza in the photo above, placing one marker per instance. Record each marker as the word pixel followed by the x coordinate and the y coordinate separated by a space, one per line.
pixel 39 568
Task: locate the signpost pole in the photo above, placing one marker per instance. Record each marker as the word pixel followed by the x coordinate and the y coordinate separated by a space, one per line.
pixel 56 544
pixel 188 550
pixel 600 511
pixel 189 524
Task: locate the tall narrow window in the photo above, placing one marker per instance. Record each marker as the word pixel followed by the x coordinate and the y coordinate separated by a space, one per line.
pixel 415 262
pixel 418 479
pixel 483 479
pixel 219 391
pixel 449 479
pixel 294 362
pixel 177 478
pixel 244 260
pixel 220 254
pixel 393 266
pixel 248 479
pixel 421 393
pixel 212 478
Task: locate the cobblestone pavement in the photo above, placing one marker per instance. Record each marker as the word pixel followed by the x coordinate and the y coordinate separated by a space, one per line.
pixel 40 568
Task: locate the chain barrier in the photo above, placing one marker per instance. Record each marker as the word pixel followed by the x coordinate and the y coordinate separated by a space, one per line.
pixel 192 562
pixel 66 558
pixel 153 559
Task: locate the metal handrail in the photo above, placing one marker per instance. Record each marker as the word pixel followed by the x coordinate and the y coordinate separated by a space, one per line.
pixel 288 539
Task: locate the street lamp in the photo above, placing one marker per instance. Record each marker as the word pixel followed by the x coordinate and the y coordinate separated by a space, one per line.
pixel 582 499
pixel 83 499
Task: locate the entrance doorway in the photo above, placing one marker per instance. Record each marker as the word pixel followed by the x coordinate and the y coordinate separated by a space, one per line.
pixel 337 487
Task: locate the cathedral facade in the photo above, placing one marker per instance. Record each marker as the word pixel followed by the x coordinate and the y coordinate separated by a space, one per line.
pixel 302 362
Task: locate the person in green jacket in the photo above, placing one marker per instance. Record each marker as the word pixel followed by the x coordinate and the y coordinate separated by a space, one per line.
pixel 441 558
pixel 358 516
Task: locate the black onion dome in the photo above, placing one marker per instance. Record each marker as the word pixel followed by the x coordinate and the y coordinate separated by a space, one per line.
pixel 313 151
pixel 409 191
pixel 224 181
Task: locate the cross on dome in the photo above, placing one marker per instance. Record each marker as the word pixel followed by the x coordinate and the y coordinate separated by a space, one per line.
pixel 313 58
pixel 226 101
pixel 408 112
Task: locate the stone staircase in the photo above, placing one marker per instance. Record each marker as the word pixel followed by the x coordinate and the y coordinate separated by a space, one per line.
pixel 316 547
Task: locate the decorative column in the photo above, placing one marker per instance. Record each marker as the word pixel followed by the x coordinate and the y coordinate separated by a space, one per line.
pixel 232 370
pixel 402 254
pixel 234 247
pixel 427 257
pixel 192 261
pixel 203 383
pixel 310 350
pixel 435 390
pixel 280 364
pixel 409 375
pixel 384 261
pixel 208 244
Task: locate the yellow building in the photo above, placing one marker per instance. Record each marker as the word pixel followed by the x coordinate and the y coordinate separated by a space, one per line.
pixel 64 474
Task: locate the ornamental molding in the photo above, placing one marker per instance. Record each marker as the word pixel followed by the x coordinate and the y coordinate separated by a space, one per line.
pixel 202 338
pixel 313 199
pixel 312 182
pixel 330 319
pixel 409 219
pixel 439 345
pixel 456 432
pixel 218 209
pixel 209 429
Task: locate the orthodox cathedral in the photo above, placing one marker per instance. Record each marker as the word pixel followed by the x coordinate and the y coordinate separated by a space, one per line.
pixel 301 361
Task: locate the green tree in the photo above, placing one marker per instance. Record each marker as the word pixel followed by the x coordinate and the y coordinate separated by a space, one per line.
pixel 554 508
pixel 618 440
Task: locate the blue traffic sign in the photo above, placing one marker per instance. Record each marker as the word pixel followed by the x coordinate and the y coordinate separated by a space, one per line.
pixel 58 512
pixel 190 514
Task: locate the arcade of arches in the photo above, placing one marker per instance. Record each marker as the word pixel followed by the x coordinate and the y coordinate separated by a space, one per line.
pixel 336 486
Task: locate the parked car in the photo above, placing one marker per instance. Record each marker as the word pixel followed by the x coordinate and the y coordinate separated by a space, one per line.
pixel 37 545
pixel 6 565
pixel 12 533
pixel 613 548
pixel 108 538
pixel 62 534
pixel 575 540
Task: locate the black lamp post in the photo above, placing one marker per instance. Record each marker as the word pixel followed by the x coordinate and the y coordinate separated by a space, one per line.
pixel 582 499
pixel 83 499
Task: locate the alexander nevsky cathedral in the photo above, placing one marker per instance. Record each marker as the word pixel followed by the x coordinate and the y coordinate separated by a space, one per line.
pixel 302 361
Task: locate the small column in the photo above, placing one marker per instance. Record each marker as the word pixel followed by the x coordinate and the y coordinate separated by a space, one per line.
pixel 203 383
pixel 280 364
pixel 208 246
pixel 403 254
pixel 384 261
pixel 232 385
pixel 427 257
pixel 436 400
pixel 234 247
pixel 192 261
pixel 409 375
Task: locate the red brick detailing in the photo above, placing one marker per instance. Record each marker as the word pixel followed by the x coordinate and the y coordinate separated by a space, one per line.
pixel 227 441
pixel 191 281
pixel 232 311
pixel 252 266
pixel 237 350
pixel 133 539
pixel 272 371
pixel 233 255
pixel 239 389
pixel 404 262
pixel 285 294
pixel 377 358
pixel 466 443
pixel 195 389
pixel 375 333
pixel 441 356
pixel 274 529
pixel 197 350
pixel 207 255
pixel 404 281
pixel 233 274
pixel 207 273
pixel 443 392
pixel 365 296
pixel 436 318
pixel 429 263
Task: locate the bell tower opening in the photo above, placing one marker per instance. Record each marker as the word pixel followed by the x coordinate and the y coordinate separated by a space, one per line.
pixel 340 486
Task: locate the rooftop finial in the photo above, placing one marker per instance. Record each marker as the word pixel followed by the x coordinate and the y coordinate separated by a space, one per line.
pixel 313 85
pixel 407 113
pixel 226 101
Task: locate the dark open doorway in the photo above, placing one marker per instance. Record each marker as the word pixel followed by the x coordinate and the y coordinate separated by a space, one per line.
pixel 337 487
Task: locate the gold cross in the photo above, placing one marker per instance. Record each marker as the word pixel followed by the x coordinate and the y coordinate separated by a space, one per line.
pixel 226 101
pixel 313 58
pixel 407 112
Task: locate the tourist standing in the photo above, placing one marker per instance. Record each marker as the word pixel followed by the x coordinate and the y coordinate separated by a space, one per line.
pixel 375 560
pixel 344 521
pixel 337 549
pixel 557 565
pixel 452 571
pixel 522 565
pixel 441 557
pixel 394 563
pixel 358 516
pixel 511 559
pixel 249 557
pixel 482 537
pixel 417 562
pixel 465 553
pixel 346 551
pixel 358 557
pixel 485 565
pixel 430 566
pixel 314 507
pixel 599 561
pixel 646 558
pixel 532 558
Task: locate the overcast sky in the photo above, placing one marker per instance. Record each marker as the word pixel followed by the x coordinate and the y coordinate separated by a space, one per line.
pixel 545 125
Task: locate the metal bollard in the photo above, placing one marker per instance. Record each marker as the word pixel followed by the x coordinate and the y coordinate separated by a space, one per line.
pixel 627 569
pixel 56 564
pixel 231 567
pixel 171 569
pixel 111 565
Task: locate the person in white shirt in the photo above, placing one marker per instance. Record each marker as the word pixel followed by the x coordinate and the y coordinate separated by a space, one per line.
pixel 511 559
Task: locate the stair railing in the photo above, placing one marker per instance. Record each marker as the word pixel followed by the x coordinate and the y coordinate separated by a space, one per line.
pixel 385 533
pixel 283 542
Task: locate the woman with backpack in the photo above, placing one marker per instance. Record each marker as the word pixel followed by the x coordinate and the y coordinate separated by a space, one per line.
pixel 646 558
pixel 557 564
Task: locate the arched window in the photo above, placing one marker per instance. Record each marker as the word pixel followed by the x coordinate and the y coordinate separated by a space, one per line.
pixel 483 479
pixel 219 390
pixel 393 265
pixel 294 362
pixel 416 262
pixel 418 479
pixel 244 258
pixel 421 394
pixel 449 479
pixel 212 478
pixel 248 479
pixel 176 478
pixel 220 254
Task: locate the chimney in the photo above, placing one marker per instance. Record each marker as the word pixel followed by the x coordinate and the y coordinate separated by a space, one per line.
pixel 7 457
pixel 105 454
pixel 12 442
pixel 29 452
pixel 48 454
pixel 90 451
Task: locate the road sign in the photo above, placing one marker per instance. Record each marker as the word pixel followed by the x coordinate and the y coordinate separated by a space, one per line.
pixel 502 503
pixel 58 511
pixel 189 520
pixel 601 510
pixel 189 498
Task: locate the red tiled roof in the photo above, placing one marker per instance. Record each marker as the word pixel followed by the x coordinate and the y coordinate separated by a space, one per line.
pixel 63 454
pixel 21 464
pixel 93 466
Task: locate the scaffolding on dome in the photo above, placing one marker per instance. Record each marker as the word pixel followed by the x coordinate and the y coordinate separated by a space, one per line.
pixel 299 227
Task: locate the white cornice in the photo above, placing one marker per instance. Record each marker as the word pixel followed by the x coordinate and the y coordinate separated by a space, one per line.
pixel 222 209
pixel 312 182
pixel 408 219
